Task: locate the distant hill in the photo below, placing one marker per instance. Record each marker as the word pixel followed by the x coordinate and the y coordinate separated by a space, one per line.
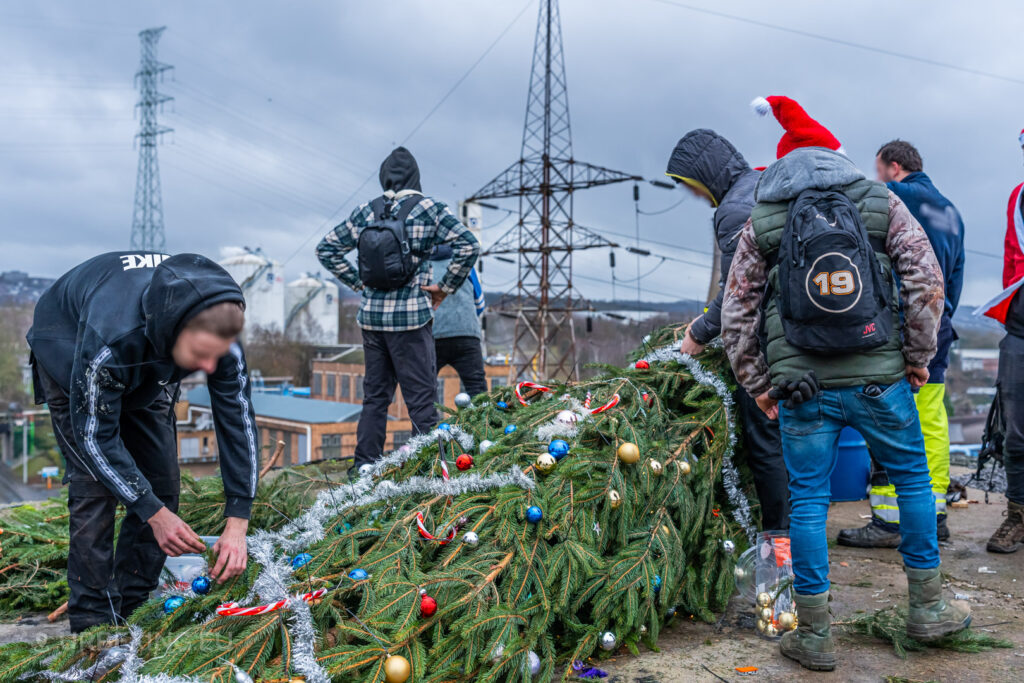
pixel 18 287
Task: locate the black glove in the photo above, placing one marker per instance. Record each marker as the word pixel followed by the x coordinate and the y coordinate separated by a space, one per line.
pixel 796 391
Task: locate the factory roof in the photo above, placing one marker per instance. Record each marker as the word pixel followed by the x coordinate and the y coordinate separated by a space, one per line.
pixel 291 408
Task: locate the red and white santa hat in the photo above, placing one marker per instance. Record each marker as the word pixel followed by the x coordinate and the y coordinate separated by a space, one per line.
pixel 801 129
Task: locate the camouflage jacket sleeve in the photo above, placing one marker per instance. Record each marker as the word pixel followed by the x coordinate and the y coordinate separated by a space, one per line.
pixel 921 290
pixel 741 314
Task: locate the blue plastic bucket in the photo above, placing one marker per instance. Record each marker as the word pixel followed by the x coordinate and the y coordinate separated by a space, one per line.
pixel 853 467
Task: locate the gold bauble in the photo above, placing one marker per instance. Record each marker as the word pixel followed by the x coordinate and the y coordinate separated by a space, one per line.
pixel 614 499
pixel 397 669
pixel 296 679
pixel 684 466
pixel 656 467
pixel 545 463
pixel 787 621
pixel 767 613
pixel 764 600
pixel 760 625
pixel 629 453
pixel 770 630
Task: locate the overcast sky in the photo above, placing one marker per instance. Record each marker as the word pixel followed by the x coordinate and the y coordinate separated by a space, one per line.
pixel 282 110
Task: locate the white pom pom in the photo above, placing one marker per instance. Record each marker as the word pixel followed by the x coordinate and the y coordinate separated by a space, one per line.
pixel 761 106
pixel 842 150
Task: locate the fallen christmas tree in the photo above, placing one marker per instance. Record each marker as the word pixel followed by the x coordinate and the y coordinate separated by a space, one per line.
pixel 596 513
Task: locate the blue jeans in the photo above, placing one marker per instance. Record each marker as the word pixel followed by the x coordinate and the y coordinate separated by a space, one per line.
pixel 890 425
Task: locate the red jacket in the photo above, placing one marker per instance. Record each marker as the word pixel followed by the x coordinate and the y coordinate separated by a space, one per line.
pixel 1013 258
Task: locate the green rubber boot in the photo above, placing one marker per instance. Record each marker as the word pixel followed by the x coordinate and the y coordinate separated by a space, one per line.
pixel 930 616
pixel 811 643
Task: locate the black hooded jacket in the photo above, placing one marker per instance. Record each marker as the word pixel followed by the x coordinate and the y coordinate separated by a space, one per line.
pixel 104 332
pixel 705 156
pixel 399 171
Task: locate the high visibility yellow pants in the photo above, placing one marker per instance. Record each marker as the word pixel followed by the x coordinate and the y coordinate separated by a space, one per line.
pixel 935 427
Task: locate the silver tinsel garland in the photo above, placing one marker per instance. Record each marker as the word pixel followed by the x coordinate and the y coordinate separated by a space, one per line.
pixel 730 475
pixel 275 576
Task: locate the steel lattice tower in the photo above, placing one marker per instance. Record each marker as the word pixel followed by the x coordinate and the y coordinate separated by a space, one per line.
pixel 545 178
pixel 148 215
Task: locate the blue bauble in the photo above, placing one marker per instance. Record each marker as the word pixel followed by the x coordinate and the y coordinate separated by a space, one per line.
pixel 444 427
pixel 502 405
pixel 534 514
pixel 172 603
pixel 300 560
pixel 344 527
pixel 559 448
pixel 657 583
pixel 201 585
pixel 510 429
pixel 358 575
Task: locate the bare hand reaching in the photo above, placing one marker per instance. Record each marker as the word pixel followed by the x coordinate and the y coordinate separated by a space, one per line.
pixel 231 550
pixel 173 535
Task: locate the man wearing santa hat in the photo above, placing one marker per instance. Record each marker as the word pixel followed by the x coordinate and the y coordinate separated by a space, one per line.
pixel 1008 308
pixel 830 367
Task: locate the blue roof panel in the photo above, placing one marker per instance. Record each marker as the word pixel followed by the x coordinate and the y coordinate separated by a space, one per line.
pixel 292 408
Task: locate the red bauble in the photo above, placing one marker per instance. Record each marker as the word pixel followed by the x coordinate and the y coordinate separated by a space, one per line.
pixel 464 461
pixel 428 606
pixel 642 365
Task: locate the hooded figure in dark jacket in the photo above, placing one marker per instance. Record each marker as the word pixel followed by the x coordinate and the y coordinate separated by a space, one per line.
pixel 110 340
pixel 709 166
pixel 396 322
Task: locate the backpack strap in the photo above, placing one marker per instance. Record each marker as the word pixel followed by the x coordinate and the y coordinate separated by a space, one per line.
pixel 407 205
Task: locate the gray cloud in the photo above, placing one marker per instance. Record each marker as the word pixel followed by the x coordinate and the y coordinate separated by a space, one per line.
pixel 283 110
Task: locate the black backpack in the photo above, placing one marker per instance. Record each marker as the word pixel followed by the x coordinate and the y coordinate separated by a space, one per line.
pixel 386 261
pixel 833 296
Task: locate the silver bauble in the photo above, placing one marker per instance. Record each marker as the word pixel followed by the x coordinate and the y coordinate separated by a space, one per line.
pixel 534 662
pixel 608 641
pixel 728 546
pixel 462 400
pixel 498 653
pixel 485 445
pixel 567 417
pixel 364 470
pixel 470 538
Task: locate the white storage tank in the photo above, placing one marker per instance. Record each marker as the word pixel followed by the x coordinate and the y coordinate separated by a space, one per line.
pixel 262 283
pixel 311 310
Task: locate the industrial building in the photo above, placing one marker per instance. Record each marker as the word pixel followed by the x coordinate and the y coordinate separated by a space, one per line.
pixel 338 376
pixel 311 429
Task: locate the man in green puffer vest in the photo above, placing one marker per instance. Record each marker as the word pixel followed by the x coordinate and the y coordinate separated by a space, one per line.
pixel 869 389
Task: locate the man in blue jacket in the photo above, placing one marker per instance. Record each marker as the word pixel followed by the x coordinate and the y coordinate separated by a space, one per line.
pixel 899 166
pixel 457 330
pixel 110 340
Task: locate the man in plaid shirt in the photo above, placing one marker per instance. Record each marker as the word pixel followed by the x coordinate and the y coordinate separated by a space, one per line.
pixel 398 342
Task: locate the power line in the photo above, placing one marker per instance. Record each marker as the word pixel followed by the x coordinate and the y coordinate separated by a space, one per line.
pixel 320 228
pixel 840 41
pixel 663 244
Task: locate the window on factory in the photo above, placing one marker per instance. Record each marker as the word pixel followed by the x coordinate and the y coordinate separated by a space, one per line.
pixel 399 438
pixel 440 390
pixel 330 386
pixel 318 383
pixel 346 386
pixel 330 446
pixel 498 382
pixel 358 380
pixel 189 448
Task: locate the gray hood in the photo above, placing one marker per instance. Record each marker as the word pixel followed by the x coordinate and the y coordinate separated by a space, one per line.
pixel 805 168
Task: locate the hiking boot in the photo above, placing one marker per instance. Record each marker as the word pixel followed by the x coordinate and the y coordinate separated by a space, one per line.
pixel 942 527
pixel 1010 534
pixel 930 616
pixel 811 643
pixel 874 534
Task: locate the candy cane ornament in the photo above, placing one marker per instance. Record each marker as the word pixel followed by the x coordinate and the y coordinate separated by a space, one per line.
pixel 612 402
pixel 529 385
pixel 429 536
pixel 233 609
